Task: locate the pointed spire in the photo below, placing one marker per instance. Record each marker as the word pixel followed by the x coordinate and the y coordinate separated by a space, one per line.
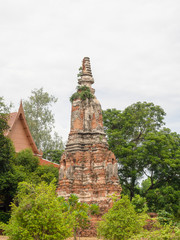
pixel 86 77
pixel 86 67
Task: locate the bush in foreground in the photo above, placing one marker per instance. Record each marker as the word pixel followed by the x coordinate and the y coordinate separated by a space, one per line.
pixel 37 213
pixel 121 221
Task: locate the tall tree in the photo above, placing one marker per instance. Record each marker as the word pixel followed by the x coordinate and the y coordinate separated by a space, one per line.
pixel 40 120
pixel 126 131
pixel 161 154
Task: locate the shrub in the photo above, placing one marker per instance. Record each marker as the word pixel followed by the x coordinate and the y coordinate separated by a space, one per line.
pixel 121 221
pixel 38 214
pixel 139 203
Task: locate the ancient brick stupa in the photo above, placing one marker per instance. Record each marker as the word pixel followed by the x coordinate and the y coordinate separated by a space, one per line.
pixel 87 167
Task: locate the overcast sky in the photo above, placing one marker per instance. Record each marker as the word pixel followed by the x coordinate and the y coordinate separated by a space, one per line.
pixel 134 47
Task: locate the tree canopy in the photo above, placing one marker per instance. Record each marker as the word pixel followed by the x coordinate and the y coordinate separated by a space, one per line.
pixel 40 120
pixel 145 149
pixel 126 131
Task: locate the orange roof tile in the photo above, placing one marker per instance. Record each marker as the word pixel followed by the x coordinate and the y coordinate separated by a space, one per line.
pixel 11 118
pixel 47 162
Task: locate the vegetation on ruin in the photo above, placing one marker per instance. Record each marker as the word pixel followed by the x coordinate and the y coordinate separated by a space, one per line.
pixel 79 73
pixel 83 93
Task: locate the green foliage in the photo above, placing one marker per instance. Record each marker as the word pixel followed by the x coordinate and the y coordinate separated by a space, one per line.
pixel 121 221
pixel 164 198
pixel 27 169
pixel 139 204
pixel 143 148
pixel 79 211
pixel 126 131
pixel 23 166
pixel 46 173
pixel 40 120
pixel 164 217
pixel 7 177
pixel 38 214
pixel 4 217
pixel 27 159
pixel 161 152
pixel 53 155
pixel 75 96
pixel 166 232
pixel 4 111
pixel 94 209
pixel 79 73
pixel 83 93
pixel 145 186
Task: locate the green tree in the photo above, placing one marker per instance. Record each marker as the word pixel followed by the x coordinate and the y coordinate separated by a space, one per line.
pixel 164 198
pixel 121 221
pixel 40 120
pixel 46 173
pixel 7 154
pixel 161 153
pixel 53 155
pixel 146 183
pixel 4 111
pixel 7 177
pixel 22 166
pixel 139 203
pixel 126 131
pixel 27 168
pixel 26 159
pixel 38 214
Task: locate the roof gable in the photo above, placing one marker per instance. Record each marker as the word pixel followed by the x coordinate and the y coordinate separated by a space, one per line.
pixel 19 132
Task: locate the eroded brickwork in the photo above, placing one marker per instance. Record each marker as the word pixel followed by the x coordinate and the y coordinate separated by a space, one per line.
pixel 87 167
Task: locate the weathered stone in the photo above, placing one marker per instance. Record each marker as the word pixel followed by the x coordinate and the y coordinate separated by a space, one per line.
pixel 87 167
